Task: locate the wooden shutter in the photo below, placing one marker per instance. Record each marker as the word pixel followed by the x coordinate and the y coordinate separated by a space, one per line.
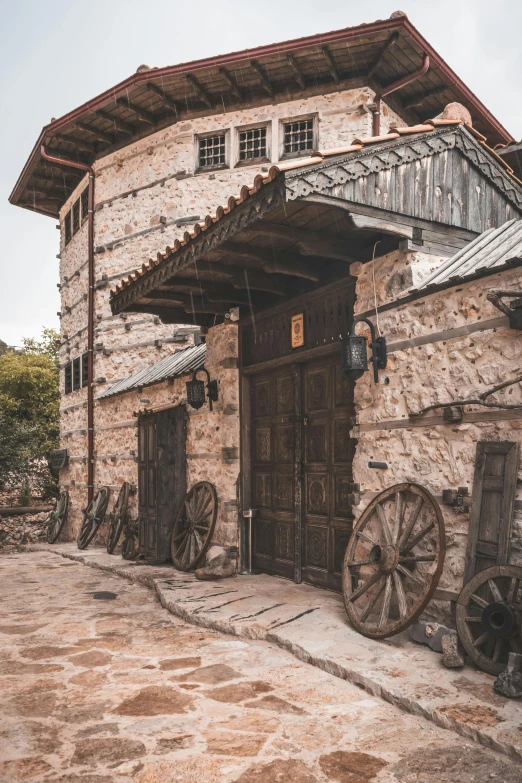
pixel 492 506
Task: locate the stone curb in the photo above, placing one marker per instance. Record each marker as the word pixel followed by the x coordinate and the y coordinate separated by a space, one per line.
pixel 257 632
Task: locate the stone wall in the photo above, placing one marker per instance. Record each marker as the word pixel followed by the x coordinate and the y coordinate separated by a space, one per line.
pixel 446 346
pixel 146 195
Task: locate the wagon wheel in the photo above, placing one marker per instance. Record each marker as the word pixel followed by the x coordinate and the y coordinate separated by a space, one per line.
pixel 489 616
pixel 93 517
pixel 130 547
pixel 393 560
pixel 194 526
pixel 56 519
pixel 118 517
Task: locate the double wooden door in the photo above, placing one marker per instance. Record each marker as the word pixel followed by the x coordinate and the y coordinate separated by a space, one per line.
pixel 161 478
pixel 302 458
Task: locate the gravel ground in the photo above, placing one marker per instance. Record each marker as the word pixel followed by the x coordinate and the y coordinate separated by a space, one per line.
pixel 100 684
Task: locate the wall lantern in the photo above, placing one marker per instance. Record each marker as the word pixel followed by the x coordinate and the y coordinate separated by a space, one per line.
pixel 196 390
pixel 354 356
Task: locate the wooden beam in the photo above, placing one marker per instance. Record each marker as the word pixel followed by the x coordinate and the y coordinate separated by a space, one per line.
pixel 235 89
pixel 144 116
pixel 392 40
pixel 171 315
pixel 309 243
pixel 54 180
pixel 366 223
pixel 240 278
pixel 100 135
pixel 332 66
pixel 273 261
pixel 298 73
pixel 225 294
pixel 46 196
pixel 418 100
pixel 78 143
pixel 201 92
pixel 266 84
pixel 120 125
pixel 167 100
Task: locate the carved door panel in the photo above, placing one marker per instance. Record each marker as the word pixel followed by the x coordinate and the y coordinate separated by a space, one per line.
pixel 147 469
pixel 327 467
pixel 276 438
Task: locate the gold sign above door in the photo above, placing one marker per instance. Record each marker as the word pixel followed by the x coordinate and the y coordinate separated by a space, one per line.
pixel 297 330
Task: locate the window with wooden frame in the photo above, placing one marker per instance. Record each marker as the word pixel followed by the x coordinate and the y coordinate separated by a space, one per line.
pixel 67 227
pixel 76 374
pixel 76 216
pixel 298 136
pixel 253 144
pixel 212 151
pixel 84 199
pixel 85 369
pixel 68 378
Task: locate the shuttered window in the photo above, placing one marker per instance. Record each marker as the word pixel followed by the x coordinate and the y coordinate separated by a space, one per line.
pixel 76 373
pixel 85 369
pixel 68 378
pixel 67 227
pixel 76 216
pixel 84 198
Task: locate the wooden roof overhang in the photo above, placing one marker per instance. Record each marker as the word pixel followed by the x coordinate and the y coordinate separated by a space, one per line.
pixel 294 231
pixel 376 55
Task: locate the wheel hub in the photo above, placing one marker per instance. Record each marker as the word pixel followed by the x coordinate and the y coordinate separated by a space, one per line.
pixel 501 620
pixel 386 556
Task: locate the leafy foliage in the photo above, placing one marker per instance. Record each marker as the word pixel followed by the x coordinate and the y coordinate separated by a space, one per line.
pixel 29 404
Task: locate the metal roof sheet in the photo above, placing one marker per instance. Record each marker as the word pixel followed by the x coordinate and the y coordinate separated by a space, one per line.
pixel 173 366
pixel 492 250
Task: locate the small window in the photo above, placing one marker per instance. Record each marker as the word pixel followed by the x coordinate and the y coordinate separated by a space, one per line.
pixel 252 144
pixel 85 369
pixel 298 136
pixel 68 378
pixel 76 370
pixel 67 224
pixel 212 151
pixel 84 198
pixel 76 216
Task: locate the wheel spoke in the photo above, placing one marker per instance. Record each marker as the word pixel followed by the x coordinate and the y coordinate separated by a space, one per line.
pixel 479 601
pixel 201 527
pixel 411 576
pixel 401 596
pixel 495 592
pixel 513 590
pixel 181 535
pixel 366 537
pixel 497 650
pixel 413 543
pixel 481 639
pixel 373 600
pixel 366 586
pixel 383 519
pixel 385 611
pixel 417 559
pixel 471 619
pixel 399 514
pixel 414 515
pixel 361 563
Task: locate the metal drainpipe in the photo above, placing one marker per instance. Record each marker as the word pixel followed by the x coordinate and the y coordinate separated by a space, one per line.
pixel 90 316
pixel 411 77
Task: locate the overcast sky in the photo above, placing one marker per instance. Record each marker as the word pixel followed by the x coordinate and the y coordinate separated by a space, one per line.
pixel 58 54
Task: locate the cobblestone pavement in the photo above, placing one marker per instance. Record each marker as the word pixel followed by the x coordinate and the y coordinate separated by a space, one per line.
pixel 100 684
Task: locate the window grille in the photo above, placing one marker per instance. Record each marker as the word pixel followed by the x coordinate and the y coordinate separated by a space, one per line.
pixel 252 144
pixel 67 223
pixel 76 370
pixel 84 198
pixel 76 216
pixel 212 151
pixel 298 136
pixel 85 369
pixel 68 378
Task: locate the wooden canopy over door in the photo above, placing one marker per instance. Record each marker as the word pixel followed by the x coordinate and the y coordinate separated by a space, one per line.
pixel 161 478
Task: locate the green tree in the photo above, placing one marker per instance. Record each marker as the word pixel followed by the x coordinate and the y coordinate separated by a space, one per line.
pixel 29 404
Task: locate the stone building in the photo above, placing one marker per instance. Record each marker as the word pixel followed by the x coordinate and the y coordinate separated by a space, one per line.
pixel 340 198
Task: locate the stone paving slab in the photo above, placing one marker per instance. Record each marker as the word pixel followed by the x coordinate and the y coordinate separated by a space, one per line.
pixel 312 624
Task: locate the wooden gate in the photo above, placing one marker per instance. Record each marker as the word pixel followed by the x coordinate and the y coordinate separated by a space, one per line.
pixel 161 478
pixel 302 471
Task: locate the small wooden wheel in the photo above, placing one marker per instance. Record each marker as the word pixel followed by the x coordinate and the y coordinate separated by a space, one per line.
pixel 93 517
pixel 194 526
pixel 393 560
pixel 56 519
pixel 489 616
pixel 130 547
pixel 118 517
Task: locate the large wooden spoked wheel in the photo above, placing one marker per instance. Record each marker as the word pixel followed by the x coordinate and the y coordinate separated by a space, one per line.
pixel 393 560
pixel 130 548
pixel 194 526
pixel 93 517
pixel 118 517
pixel 489 616
pixel 56 519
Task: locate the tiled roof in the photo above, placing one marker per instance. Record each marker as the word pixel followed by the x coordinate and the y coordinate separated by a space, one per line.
pixel 492 250
pixel 173 366
pixel 316 157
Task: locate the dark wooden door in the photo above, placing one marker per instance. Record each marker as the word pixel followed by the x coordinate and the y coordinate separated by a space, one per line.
pixel 276 460
pixel 328 412
pixel 162 478
pixel 493 503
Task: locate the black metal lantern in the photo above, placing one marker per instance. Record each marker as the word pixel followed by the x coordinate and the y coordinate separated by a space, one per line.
pixel 354 355
pixel 196 394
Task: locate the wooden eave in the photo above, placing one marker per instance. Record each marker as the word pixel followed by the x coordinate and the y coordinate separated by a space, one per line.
pixel 151 100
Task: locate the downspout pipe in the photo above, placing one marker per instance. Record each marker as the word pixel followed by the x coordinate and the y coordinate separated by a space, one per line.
pixel 90 315
pixel 380 94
